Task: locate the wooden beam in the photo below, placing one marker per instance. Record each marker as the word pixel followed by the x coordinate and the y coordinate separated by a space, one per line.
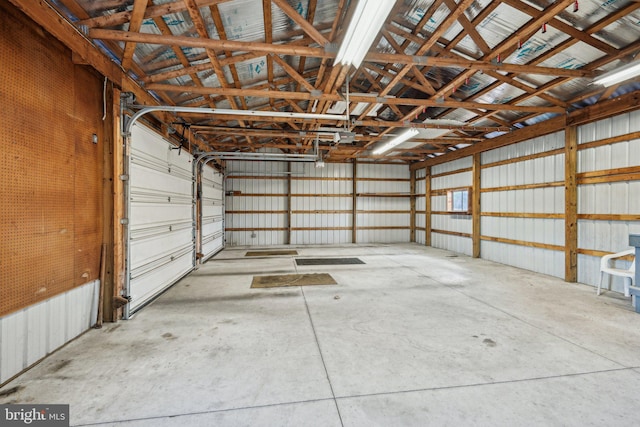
pixel 571 205
pixel 137 16
pixel 43 14
pixel 107 288
pixel 412 218
pixel 389 124
pixel 354 202
pixel 293 73
pixel 427 206
pixel 475 205
pixel 119 18
pixel 290 49
pixel 289 206
pixel 277 94
pixel 303 23
pixel 119 256
pixel 565 28
pixel 608 108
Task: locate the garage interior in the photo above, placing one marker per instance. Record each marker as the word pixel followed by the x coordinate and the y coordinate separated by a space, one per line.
pixel 320 212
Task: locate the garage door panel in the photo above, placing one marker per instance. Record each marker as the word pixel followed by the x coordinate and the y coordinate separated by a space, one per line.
pixel 151 282
pixel 212 200
pixel 162 182
pixel 165 245
pixel 161 224
pixel 150 214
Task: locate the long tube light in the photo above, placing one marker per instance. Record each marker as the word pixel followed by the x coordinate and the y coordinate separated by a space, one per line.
pixel 619 74
pixel 362 30
pixel 408 134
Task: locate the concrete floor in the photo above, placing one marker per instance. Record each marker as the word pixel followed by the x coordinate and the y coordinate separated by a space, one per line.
pixel 416 336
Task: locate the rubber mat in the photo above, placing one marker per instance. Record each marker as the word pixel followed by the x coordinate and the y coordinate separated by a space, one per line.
pixel 328 261
pixel 282 280
pixel 271 253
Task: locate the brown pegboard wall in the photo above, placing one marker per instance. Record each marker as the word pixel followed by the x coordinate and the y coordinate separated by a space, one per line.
pixel 50 175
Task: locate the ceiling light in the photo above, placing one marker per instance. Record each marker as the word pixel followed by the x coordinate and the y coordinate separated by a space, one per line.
pixel 362 30
pixel 409 133
pixel 320 163
pixel 618 75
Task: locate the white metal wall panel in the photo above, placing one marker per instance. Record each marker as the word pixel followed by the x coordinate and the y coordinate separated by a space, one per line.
pixel 451 222
pixel 532 146
pixel 395 211
pixel 212 202
pixel 312 211
pixel 529 258
pixel 459 244
pixel 28 335
pixel 375 170
pixel 162 246
pixel 311 192
pixel 255 229
pixel 454 165
pixel 549 231
pixel 607 198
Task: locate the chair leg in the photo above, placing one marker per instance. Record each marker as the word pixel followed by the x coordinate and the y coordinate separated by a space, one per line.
pixel 627 283
pixel 600 284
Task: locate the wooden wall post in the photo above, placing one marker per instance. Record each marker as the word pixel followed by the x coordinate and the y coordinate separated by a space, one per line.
pixel 427 206
pixel 119 262
pixel 107 261
pixel 412 219
pixel 475 205
pixel 570 205
pixel 354 204
pixel 289 207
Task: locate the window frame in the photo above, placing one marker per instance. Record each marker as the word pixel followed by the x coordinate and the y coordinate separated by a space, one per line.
pixel 450 200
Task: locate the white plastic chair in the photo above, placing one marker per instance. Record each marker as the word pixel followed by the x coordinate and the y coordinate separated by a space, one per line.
pixel 607 265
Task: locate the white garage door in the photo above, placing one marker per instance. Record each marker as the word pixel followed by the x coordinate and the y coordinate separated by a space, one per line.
pixel 162 239
pixel 212 202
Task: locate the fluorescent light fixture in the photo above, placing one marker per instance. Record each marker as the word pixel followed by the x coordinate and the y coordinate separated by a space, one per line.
pixel 408 134
pixel 365 24
pixel 619 74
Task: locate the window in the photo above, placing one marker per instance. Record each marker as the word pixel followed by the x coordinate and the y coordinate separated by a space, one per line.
pixel 458 200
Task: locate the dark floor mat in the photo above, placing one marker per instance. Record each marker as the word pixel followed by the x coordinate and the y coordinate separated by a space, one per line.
pixel 271 253
pixel 282 280
pixel 328 261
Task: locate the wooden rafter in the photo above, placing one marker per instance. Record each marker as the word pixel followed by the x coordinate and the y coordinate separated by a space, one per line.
pixel 420 74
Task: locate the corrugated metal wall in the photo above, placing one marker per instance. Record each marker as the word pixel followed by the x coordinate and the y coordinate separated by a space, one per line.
pixel 383 203
pixel 30 334
pixel 320 207
pixel 450 231
pixel 608 202
pixel 256 212
pixel 526 189
pixel 523 200
pixel 321 203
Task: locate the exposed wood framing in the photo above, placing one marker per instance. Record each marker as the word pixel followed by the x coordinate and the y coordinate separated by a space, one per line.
pixel 354 202
pixel 119 261
pixel 107 285
pixel 427 206
pixel 475 205
pixel 571 204
pixel 412 203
